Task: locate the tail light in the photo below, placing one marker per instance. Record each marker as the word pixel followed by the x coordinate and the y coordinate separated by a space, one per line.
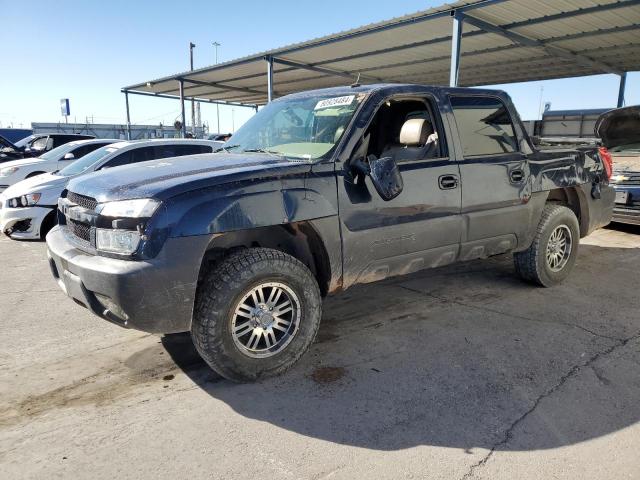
pixel 607 161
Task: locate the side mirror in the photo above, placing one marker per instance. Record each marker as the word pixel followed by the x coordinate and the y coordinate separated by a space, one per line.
pixel 535 139
pixel 385 176
pixel 69 156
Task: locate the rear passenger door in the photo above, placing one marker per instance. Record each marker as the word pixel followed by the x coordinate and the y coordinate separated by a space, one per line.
pixel 494 175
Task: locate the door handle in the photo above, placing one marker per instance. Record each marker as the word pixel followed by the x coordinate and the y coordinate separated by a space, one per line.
pixel 516 176
pixel 448 182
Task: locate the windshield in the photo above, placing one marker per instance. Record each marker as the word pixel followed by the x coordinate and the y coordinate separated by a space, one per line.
pixel 57 153
pixel 302 127
pixel 24 141
pixel 87 162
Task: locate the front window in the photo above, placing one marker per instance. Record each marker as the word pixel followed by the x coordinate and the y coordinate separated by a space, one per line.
pixel 25 141
pixel 301 127
pixel 87 162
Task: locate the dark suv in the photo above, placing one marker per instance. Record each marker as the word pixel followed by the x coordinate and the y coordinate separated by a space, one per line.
pixel 320 191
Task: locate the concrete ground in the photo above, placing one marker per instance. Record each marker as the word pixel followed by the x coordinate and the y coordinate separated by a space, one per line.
pixel 460 372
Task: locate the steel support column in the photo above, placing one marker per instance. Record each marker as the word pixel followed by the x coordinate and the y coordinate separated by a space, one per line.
pixel 456 40
pixel 621 89
pixel 269 60
pixel 126 101
pixel 184 126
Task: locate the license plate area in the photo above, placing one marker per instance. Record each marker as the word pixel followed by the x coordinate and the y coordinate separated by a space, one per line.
pixel 622 197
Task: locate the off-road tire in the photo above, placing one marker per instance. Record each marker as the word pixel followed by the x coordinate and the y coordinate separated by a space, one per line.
pixel 531 264
pixel 220 291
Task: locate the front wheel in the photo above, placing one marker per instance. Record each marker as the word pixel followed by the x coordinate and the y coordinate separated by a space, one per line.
pixel 256 313
pixel 552 255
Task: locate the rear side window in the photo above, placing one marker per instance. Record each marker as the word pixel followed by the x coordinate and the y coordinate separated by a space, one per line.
pixel 167 151
pixel 132 156
pixel 84 149
pixel 484 126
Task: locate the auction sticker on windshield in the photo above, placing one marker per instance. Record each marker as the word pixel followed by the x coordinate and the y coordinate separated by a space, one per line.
pixel 335 102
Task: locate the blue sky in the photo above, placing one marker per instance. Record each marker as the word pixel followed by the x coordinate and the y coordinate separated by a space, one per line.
pixel 88 50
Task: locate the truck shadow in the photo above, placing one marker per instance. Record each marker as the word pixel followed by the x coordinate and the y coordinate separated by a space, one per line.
pixel 465 356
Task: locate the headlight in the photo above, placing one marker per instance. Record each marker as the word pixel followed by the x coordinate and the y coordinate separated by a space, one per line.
pixel 618 178
pixel 140 208
pixel 117 241
pixel 5 172
pixel 28 200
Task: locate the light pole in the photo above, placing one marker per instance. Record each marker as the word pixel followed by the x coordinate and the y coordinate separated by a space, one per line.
pixel 193 103
pixel 216 45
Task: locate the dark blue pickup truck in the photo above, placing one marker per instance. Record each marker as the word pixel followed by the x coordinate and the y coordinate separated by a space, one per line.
pixel 320 191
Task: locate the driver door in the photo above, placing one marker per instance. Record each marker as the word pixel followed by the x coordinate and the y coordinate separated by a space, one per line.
pixel 422 226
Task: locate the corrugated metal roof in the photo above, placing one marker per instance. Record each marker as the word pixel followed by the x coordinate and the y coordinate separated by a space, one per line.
pixel 595 37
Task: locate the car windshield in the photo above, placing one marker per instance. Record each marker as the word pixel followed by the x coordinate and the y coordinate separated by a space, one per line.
pixel 87 162
pixel 301 127
pixel 58 152
pixel 24 141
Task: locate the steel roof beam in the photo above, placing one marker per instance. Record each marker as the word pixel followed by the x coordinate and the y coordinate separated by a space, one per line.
pixel 220 85
pixel 197 99
pixel 532 42
pixel 323 70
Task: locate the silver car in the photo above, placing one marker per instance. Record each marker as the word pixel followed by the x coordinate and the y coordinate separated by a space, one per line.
pixel 27 208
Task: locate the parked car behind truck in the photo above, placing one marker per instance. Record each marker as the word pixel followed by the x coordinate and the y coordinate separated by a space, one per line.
pixel 52 161
pixel 27 208
pixel 318 192
pixel 619 131
pixel 37 144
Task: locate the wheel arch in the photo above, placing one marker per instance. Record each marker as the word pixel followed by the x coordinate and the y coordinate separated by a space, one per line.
pixel 575 199
pixel 301 240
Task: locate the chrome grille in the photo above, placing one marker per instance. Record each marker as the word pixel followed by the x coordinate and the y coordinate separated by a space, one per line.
pixel 80 230
pixel 82 200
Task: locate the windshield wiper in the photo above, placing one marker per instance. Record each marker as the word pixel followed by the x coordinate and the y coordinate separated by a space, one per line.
pixel 226 149
pixel 262 150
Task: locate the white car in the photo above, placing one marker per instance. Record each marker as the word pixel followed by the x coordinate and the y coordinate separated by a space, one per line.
pixel 52 161
pixel 28 208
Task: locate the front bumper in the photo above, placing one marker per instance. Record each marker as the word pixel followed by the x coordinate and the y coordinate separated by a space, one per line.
pixel 23 223
pixel 628 212
pixel 155 296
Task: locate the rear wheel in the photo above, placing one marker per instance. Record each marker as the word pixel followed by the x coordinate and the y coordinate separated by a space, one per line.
pixel 256 313
pixel 552 255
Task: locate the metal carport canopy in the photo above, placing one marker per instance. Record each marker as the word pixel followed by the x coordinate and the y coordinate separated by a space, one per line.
pixel 500 41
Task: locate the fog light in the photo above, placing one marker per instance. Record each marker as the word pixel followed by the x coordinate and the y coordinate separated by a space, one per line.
pixel 117 241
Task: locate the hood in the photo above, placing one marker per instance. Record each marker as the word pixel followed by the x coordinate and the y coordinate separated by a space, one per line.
pixel 619 127
pixel 167 177
pixel 35 184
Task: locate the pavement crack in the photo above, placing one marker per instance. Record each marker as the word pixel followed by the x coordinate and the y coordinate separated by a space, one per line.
pixel 513 315
pixel 573 371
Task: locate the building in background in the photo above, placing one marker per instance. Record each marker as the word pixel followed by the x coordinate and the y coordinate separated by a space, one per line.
pixel 106 130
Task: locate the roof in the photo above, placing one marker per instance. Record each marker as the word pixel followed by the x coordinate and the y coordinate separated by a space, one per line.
pixel 161 141
pixel 503 41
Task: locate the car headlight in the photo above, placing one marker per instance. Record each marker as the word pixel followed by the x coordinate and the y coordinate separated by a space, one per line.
pixel 28 200
pixel 117 241
pixel 619 178
pixel 139 208
pixel 5 172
